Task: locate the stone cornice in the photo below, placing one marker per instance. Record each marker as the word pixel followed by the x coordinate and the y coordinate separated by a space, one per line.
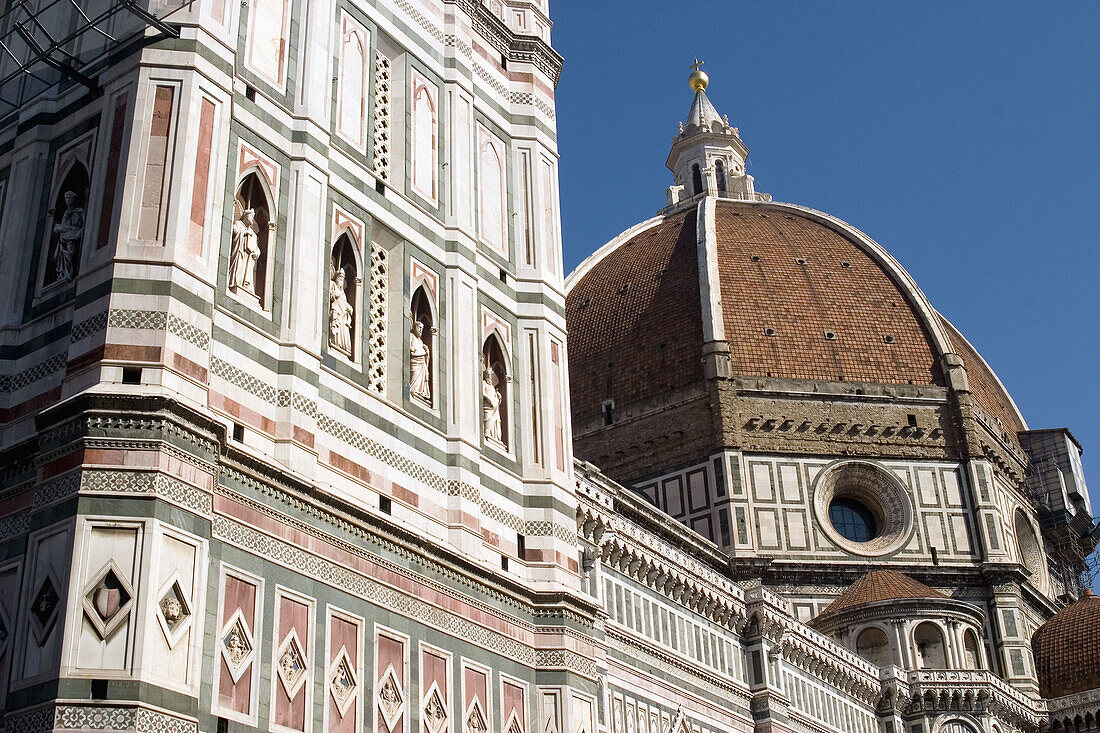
pixel 513 46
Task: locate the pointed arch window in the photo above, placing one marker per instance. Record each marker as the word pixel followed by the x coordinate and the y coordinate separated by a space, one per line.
pixel 424 147
pixel 696 180
pixel 494 392
pixel 343 297
pixel 249 242
pixel 351 95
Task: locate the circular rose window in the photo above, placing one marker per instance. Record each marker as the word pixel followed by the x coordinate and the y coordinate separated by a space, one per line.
pixel 863 508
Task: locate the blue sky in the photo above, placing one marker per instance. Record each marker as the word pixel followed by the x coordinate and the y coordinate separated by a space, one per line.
pixel 962 136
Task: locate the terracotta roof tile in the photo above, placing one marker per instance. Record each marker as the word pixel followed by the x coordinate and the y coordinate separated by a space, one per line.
pixel 880 585
pixel 1067 649
pixel 635 324
pixel 786 272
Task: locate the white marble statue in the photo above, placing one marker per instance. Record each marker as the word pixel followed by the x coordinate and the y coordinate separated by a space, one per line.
pixel 340 313
pixel 69 232
pixel 490 406
pixel 244 254
pixel 420 382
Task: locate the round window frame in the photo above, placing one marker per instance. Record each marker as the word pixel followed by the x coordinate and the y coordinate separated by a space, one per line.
pixel 876 488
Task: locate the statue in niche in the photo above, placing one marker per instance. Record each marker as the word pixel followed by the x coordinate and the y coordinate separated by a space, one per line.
pixel 490 406
pixel 69 230
pixel 420 382
pixel 244 254
pixel 340 313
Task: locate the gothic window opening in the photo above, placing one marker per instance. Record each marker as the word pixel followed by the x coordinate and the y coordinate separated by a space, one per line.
pixel 696 180
pixel 343 291
pixel 67 219
pixel 720 174
pixel 491 189
pixel 421 348
pixel 424 147
pixel 352 90
pixel 494 392
pixel 249 248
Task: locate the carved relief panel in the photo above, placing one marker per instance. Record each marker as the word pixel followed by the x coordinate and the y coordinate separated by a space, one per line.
pixel 435 692
pixel 110 556
pixel 9 598
pixel 513 705
pixel 292 662
pixel 344 672
pixel 236 670
pixel 173 639
pixel 391 688
pixel 43 604
pixel 475 698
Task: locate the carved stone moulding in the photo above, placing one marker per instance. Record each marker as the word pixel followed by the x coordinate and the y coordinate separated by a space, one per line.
pixel 876 488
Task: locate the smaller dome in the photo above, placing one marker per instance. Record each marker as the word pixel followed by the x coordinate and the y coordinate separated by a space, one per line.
pixel 879 585
pixel 1067 649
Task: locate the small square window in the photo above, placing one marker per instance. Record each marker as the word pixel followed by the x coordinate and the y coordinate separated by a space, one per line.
pixel 131 375
pixel 238 432
pixel 385 505
pixel 830 336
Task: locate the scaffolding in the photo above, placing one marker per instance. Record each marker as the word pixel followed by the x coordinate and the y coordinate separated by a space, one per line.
pixel 45 42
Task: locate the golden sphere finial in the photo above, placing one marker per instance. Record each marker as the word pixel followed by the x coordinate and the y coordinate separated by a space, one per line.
pixel 698 80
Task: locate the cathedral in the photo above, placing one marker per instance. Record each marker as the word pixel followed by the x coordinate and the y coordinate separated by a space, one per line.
pixel 303 427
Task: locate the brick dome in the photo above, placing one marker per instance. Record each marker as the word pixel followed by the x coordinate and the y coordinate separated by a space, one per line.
pixel 802 296
pixel 1067 649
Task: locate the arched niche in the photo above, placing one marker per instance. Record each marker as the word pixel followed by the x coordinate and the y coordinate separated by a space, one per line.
pixel 494 392
pixel 343 297
pixel 873 644
pixel 930 647
pixel 422 347
pixel 972 655
pixel 249 251
pixel 67 226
